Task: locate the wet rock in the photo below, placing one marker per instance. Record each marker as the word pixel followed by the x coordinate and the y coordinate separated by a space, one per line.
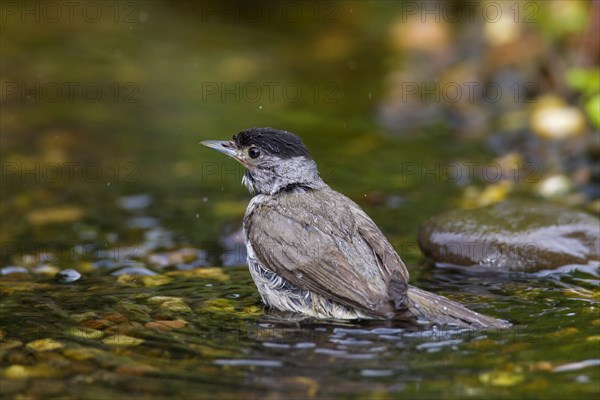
pixel 175 304
pixel 67 276
pixel 45 269
pixel 553 119
pixel 13 270
pixel 137 270
pixel 215 273
pixel 166 325
pixel 84 333
pixel 162 299
pixel 96 324
pixel 83 353
pixel 134 202
pixel 554 186
pixel 56 215
pixel 124 328
pixel 10 344
pixel 147 281
pixel 115 317
pixel 513 236
pixel 44 345
pixel 122 340
pixel 501 378
pixel 34 371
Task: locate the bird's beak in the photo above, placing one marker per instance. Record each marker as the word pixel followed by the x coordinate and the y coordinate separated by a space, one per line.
pixel 222 146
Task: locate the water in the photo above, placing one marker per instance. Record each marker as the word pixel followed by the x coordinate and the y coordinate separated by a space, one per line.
pixel 120 191
pixel 193 336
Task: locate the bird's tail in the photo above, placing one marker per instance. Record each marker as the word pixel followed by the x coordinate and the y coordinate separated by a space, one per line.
pixel 440 310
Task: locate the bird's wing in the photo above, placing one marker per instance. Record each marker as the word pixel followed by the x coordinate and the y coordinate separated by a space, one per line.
pixel 318 241
pixel 388 260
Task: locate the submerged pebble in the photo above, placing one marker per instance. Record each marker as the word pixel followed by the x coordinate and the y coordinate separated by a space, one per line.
pixel 44 345
pixel 136 270
pixel 166 325
pixel 122 340
pixel 31 371
pixel 501 378
pixel 208 273
pixel 84 333
pixel 45 270
pixel 67 276
pixel 13 270
pixel 175 304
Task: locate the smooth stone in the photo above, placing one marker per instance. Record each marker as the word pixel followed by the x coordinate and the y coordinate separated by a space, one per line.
pixel 135 202
pixel 45 270
pixel 44 345
pixel 513 235
pixel 143 271
pixel 67 275
pixel 122 340
pixel 13 270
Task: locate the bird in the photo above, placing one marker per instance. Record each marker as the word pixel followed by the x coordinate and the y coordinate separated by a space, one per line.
pixel 313 251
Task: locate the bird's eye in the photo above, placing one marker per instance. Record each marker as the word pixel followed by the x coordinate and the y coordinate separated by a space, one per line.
pixel 254 152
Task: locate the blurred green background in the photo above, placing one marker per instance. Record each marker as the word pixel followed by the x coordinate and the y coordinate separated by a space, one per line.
pixel 408 107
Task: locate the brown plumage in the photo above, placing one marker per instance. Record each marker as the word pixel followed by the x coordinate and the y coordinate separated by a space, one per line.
pixel 314 251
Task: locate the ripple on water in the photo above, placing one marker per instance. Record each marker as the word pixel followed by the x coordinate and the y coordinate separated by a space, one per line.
pixel 136 270
pixel 276 345
pixel 577 365
pixel 376 373
pixel 437 346
pixel 347 331
pixel 352 342
pixel 248 363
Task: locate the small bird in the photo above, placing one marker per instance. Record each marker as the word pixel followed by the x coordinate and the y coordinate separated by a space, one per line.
pixel 312 250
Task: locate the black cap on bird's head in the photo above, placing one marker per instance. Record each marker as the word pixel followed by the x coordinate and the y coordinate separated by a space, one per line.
pixel 282 144
pixel 254 141
pixel 273 158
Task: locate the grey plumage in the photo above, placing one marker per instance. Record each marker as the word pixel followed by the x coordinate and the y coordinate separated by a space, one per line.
pixel 314 251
